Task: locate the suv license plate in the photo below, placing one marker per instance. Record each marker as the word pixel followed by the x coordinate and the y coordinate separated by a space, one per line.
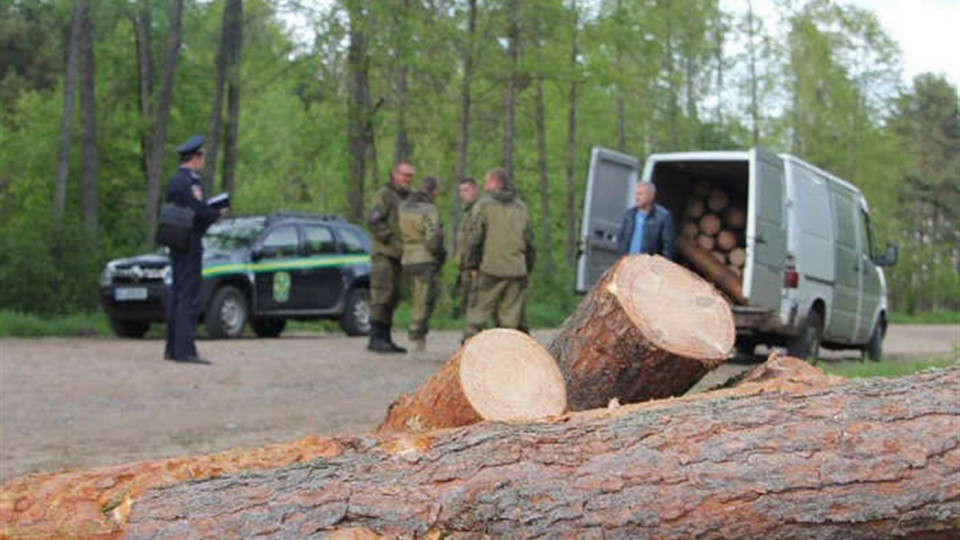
pixel 128 294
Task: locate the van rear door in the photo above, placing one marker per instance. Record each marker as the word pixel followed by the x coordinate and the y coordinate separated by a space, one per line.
pixel 766 231
pixel 610 181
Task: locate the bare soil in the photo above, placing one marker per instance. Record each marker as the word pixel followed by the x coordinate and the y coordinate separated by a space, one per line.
pixel 81 402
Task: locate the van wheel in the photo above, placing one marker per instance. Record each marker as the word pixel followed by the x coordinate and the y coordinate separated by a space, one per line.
pixel 227 313
pixel 807 343
pixel 269 327
pixel 356 316
pixel 874 348
pixel 129 329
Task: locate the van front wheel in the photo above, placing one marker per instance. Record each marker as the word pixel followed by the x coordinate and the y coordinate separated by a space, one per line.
pixel 807 343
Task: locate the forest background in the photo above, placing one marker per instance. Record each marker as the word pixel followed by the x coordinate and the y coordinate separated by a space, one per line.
pixel 311 116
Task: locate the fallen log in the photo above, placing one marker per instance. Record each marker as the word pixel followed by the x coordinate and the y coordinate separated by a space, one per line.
pixel 727 240
pixel 734 217
pixel 710 224
pixel 874 458
pixel 713 270
pixel 690 228
pixel 499 374
pixel 648 329
pixel 706 242
pixel 695 209
pixel 738 257
pixel 718 200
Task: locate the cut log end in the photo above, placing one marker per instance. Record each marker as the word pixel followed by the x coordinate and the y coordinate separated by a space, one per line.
pixel 689 317
pixel 507 376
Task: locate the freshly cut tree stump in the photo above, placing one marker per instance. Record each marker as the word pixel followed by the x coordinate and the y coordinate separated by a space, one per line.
pixel 695 209
pixel 709 267
pixel 738 257
pixel 872 458
pixel 710 224
pixel 727 240
pixel 648 329
pixel 718 200
pixel 690 229
pixel 735 218
pixel 706 242
pixel 499 374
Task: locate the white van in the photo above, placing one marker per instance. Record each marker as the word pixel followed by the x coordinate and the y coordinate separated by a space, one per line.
pixel 811 274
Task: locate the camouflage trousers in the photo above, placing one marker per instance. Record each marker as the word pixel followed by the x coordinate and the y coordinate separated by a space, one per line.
pixel 500 299
pixel 385 276
pixel 423 297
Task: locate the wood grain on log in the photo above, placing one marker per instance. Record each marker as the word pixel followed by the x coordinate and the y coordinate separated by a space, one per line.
pixel 648 329
pixel 499 374
pixel 690 229
pixel 720 256
pixel 727 240
pixel 738 257
pixel 703 262
pixel 734 217
pixel 874 458
pixel 695 209
pixel 718 200
pixel 706 242
pixel 710 224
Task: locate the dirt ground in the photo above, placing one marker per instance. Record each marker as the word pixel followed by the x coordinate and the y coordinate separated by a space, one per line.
pixel 80 402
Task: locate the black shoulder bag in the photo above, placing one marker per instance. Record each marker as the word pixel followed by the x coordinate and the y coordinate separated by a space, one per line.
pixel 175 226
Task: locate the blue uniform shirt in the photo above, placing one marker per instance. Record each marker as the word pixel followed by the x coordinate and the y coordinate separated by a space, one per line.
pixel 636 242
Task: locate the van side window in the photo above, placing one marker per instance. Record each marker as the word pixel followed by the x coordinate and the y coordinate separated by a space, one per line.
pixel 866 234
pixel 846 226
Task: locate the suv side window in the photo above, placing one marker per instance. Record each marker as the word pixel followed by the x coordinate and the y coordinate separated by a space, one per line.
pixel 352 241
pixel 319 240
pixel 281 242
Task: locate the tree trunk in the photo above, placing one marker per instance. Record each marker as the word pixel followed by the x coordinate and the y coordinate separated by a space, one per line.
pixel 160 124
pixel 648 329
pixel 546 240
pixel 571 244
pixel 69 91
pixel 88 110
pixel 510 101
pixel 716 272
pixel 752 65
pixel 463 143
pixel 219 81
pixel 499 374
pixel 233 95
pixel 356 114
pixel 621 107
pixel 874 458
pixel 146 83
pixel 401 145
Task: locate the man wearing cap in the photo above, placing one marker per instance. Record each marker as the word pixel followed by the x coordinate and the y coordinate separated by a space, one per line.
pixel 385 267
pixel 183 298
pixel 500 256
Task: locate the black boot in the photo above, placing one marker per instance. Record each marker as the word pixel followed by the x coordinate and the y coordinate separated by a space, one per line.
pixel 393 346
pixel 380 339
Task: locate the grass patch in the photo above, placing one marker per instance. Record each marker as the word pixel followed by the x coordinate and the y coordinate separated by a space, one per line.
pixel 929 317
pixel 19 324
pixel 886 369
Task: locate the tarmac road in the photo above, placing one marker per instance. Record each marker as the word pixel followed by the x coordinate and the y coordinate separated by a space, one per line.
pixel 80 402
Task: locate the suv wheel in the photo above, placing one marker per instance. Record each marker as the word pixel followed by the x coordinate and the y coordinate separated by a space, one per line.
pixel 356 317
pixel 807 343
pixel 268 328
pixel 129 329
pixel 227 313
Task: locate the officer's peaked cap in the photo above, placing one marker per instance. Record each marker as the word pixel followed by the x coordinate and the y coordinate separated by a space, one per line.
pixel 192 146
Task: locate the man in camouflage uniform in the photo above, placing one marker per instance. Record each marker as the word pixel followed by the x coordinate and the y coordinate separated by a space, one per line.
pixel 500 255
pixel 386 271
pixel 468 192
pixel 423 254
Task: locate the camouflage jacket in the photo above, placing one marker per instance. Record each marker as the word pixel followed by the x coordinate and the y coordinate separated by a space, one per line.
pixel 384 221
pixel 500 237
pixel 421 230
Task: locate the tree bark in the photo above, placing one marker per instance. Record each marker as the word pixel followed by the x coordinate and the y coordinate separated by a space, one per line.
pixel 571 244
pixel 546 240
pixel 510 100
pixel 874 458
pixel 621 106
pixel 233 96
pixel 160 123
pixel 69 91
pixel 88 111
pixel 401 145
pixel 216 113
pixel 648 329
pixel 146 84
pixel 463 142
pixel 703 261
pixel 357 114
pixel 499 374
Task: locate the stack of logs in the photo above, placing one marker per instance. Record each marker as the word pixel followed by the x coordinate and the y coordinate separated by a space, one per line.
pixel 712 238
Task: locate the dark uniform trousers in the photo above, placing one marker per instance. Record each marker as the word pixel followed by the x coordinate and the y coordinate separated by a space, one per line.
pixel 183 301
pixel 499 298
pixel 385 275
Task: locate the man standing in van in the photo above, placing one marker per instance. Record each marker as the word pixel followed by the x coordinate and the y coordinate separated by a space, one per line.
pixel 647 227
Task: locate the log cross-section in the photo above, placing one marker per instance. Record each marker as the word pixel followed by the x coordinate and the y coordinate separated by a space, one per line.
pixel 876 458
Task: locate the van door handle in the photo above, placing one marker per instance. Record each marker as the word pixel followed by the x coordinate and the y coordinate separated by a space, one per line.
pixel 856 267
pixel 761 240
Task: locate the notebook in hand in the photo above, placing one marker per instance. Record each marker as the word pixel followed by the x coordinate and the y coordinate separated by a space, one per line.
pixel 219 201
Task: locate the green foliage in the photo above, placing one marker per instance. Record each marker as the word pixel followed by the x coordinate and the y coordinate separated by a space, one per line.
pixel 885 369
pixel 20 324
pixel 929 317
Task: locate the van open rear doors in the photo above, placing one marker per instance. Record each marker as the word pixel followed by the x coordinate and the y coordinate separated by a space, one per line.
pixel 609 193
pixel 766 230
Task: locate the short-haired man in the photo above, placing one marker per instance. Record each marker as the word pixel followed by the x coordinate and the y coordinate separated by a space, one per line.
pixel 647 227
pixel 500 256
pixel 423 254
pixel 468 192
pixel 386 271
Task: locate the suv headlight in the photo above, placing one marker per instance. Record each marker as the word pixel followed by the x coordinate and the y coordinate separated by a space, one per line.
pixel 106 277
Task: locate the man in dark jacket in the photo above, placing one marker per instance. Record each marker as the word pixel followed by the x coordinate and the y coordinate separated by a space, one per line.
pixel 183 304
pixel 647 227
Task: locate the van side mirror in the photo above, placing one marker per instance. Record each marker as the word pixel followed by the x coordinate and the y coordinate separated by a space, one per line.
pixel 889 256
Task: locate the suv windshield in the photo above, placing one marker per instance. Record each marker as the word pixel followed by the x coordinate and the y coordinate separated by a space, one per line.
pixel 233 234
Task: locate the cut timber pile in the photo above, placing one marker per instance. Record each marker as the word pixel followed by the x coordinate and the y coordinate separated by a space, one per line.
pixel 786 453
pixel 648 329
pixel 717 227
pixel 497 375
pixel 711 268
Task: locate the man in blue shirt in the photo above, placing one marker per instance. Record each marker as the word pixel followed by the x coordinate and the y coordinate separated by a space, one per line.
pixel 647 227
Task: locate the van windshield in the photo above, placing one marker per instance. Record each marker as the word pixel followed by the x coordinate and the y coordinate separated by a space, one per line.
pixel 233 234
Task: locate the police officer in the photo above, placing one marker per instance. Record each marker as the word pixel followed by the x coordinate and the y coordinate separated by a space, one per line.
pixel 386 269
pixel 468 192
pixel 500 256
pixel 183 298
pixel 423 254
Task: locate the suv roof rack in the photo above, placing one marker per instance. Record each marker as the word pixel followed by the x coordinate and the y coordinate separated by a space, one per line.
pixel 305 215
